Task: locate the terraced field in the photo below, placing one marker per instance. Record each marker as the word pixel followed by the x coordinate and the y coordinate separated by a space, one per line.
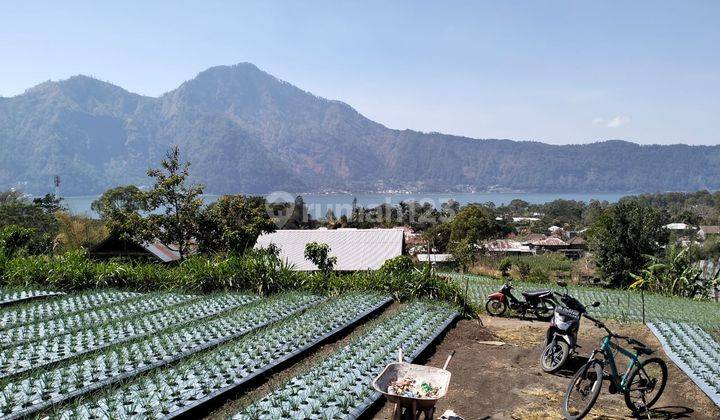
pixel 621 305
pixel 110 354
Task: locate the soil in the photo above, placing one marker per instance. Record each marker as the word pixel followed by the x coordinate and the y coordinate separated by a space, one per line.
pixel 491 381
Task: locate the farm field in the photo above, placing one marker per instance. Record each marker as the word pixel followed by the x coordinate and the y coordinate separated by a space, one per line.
pixel 112 354
pixel 621 305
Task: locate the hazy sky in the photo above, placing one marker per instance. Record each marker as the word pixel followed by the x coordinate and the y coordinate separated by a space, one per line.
pixel 558 72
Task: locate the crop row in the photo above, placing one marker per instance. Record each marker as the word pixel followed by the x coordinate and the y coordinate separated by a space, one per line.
pixel 40 353
pixel 175 390
pixel 36 312
pixel 37 392
pixel 61 325
pixel 339 387
pixel 623 305
pixel 693 350
pixel 7 298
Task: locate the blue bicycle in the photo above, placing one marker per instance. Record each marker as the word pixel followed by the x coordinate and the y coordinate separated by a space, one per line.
pixel 642 383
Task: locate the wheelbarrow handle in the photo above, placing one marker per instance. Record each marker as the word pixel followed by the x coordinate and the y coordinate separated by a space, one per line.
pixel 447 362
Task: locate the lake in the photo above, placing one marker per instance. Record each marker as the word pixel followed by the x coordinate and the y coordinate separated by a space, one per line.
pixel 319 204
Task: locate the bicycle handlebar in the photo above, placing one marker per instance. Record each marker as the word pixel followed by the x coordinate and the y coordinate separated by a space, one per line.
pixel 601 324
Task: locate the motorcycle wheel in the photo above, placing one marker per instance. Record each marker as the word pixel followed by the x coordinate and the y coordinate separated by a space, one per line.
pixel 555 355
pixel 495 307
pixel 545 310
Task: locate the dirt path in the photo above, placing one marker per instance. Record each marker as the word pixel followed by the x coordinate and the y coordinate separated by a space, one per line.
pixel 506 382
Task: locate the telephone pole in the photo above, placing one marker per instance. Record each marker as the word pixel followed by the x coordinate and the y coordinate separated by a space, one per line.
pixel 57 187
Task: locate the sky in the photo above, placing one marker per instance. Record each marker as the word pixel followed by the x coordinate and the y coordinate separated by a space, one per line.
pixel 554 71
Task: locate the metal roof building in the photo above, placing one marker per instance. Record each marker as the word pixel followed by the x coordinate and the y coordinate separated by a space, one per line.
pixel 355 249
pixel 114 247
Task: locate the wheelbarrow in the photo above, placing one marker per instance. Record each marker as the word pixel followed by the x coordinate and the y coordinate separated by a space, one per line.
pixel 413 406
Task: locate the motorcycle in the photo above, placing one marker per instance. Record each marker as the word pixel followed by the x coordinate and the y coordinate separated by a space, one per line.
pixel 539 302
pixel 561 335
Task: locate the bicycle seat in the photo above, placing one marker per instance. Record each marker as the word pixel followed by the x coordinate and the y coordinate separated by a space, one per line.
pixel 536 293
pixel 643 350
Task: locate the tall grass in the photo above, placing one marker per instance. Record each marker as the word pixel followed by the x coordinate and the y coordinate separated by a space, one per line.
pixel 259 272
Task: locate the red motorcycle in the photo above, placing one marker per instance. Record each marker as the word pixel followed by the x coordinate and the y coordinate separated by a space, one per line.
pixel 539 302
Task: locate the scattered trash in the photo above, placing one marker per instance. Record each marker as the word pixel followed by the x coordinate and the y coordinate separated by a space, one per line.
pixel 408 387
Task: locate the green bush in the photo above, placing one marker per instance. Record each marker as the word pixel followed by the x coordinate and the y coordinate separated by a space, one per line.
pixel 257 271
pixel 538 276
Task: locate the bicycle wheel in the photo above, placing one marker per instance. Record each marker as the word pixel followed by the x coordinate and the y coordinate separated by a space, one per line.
pixel 646 384
pixel 583 391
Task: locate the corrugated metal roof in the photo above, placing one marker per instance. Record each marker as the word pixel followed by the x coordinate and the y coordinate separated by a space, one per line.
pixel 355 249
pixel 506 245
pixel 435 257
pixel 162 252
pixel 710 230
pixel 551 241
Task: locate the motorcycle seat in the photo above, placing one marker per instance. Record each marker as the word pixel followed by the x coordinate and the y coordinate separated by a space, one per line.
pixel 536 293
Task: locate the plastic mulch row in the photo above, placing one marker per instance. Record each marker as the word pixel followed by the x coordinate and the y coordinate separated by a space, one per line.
pixel 191 317
pixel 12 317
pixel 11 301
pixel 166 361
pixel 200 406
pixel 700 382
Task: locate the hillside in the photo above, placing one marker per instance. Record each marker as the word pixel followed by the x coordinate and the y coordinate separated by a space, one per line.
pixel 246 131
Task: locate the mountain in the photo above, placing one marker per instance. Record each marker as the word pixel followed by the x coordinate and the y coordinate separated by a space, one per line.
pixel 247 131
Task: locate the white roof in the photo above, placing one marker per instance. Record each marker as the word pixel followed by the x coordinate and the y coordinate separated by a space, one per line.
pixel 355 249
pixel 506 245
pixel 526 219
pixel 435 257
pixel 677 226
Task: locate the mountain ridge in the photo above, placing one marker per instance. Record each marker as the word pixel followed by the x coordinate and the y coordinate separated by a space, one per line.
pixel 245 130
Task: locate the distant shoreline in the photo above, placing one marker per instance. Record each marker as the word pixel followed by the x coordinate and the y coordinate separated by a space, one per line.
pixel 319 203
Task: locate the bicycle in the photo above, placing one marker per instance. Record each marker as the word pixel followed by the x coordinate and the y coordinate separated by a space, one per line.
pixel 642 383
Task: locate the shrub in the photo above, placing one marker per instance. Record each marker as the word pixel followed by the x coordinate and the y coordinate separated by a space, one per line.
pixel 504 267
pixel 523 268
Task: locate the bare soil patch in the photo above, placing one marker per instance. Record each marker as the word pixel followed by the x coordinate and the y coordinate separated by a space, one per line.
pixel 506 382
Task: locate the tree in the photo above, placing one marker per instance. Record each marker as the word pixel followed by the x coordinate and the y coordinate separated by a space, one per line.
pixel 233 224
pixel 17 211
pixel 439 236
pixel 121 209
pixel 672 274
pixel 79 231
pixel 175 204
pixel 49 203
pixel 622 236
pixel 10 196
pixel 319 254
pixel 474 223
pixel 464 253
pixel 14 239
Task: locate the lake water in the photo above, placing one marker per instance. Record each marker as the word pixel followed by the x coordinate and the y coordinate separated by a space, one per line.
pixel 319 204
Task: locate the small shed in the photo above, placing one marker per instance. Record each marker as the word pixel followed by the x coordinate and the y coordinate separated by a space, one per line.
pixel 576 242
pixel 507 247
pixel 355 249
pixel 116 247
